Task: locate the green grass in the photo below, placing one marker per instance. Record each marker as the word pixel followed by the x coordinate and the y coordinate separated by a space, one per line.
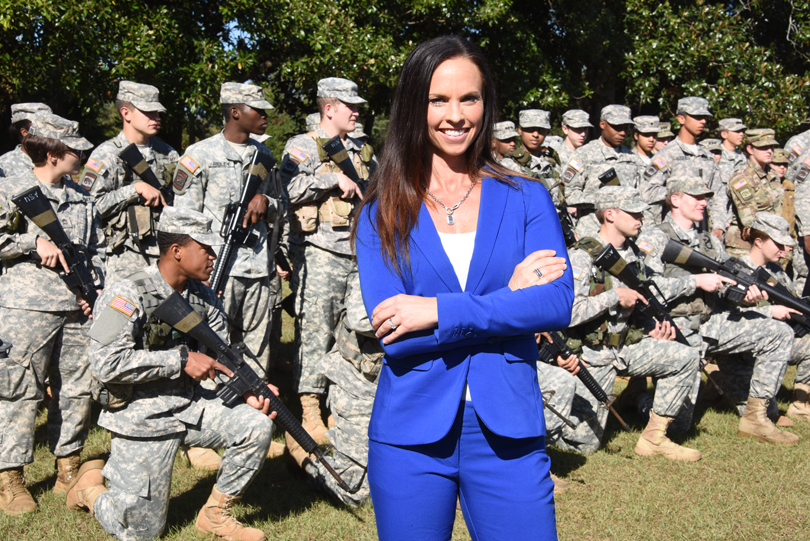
pixel 740 490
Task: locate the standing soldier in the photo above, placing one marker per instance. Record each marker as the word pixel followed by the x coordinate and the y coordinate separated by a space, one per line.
pixel 46 321
pixel 752 189
pixel 715 146
pixel 16 162
pixel 529 158
pixel 646 135
pixel 731 132
pixel 128 205
pixel 575 126
pixel 322 200
pixel 504 140
pixel 664 136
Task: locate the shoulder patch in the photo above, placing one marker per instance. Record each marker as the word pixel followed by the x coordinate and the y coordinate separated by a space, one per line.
pixel 746 194
pixel 573 168
pixel 179 182
pixel 124 306
pixel 740 184
pixel 189 163
pixel 795 152
pixel 94 165
pixel 577 272
pixel 575 164
pixel 299 155
pixel 646 246
pixel 87 180
pixel 659 162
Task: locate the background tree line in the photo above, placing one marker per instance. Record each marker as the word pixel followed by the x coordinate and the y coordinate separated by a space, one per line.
pixel 749 58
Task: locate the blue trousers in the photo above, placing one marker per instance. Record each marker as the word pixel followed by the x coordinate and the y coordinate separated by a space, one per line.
pixel 503 485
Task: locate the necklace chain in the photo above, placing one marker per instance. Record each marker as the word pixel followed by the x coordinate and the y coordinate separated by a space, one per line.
pixel 451 210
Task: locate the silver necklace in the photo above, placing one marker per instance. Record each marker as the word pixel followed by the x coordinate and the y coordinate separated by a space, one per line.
pixel 451 210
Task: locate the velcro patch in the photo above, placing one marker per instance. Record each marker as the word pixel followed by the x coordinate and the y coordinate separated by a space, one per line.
pixel 804 171
pixel 569 174
pixel 746 194
pixel 795 152
pixel 180 179
pixel 740 184
pixel 646 246
pixel 87 180
pixel 189 163
pixel 577 272
pixel 94 165
pixel 575 164
pixel 299 155
pixel 659 162
pixel 124 306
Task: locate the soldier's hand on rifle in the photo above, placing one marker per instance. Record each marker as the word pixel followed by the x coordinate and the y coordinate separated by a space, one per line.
pixel 349 188
pixel 85 306
pixel 782 313
pixel 151 196
pixel 663 331
pixel 525 273
pixel 50 254
pixel 571 364
pixel 755 295
pixel 711 283
pixel 572 211
pixel 256 210
pixel 261 403
pixel 201 367
pixel 284 275
pixel 628 297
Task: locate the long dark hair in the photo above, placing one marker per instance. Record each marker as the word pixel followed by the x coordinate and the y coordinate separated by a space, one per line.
pixel 398 184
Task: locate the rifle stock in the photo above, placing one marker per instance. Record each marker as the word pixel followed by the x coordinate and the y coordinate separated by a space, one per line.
pixel 135 161
pixel 337 153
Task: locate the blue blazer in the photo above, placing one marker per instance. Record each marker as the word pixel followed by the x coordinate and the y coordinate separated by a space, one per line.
pixel 485 335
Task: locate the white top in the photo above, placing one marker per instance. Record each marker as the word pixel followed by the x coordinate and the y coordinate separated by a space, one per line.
pixel 459 249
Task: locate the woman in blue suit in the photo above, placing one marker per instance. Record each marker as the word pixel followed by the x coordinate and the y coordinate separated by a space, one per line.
pixel 458 272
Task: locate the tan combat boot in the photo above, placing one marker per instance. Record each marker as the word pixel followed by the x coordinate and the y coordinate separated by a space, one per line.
pixel 14 497
pixel 215 518
pixel 800 408
pixel 312 421
pixel 296 452
pixel 66 469
pixel 755 422
pixel 276 450
pixel 654 441
pixel 87 486
pixel 202 459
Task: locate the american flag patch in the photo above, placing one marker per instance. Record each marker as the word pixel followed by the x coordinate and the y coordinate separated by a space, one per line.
pixel 123 306
pixel 740 184
pixel 94 165
pixel 659 162
pixel 577 272
pixel 299 155
pixel 807 161
pixel 646 246
pixel 189 163
pixel 575 164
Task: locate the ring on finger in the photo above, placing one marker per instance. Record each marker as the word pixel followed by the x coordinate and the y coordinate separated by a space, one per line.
pixel 538 272
pixel 393 325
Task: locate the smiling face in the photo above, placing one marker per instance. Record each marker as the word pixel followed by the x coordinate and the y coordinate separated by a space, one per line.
pixel 455 111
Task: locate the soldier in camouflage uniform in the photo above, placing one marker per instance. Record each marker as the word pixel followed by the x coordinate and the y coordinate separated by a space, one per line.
pixel 581 174
pixel 798 267
pixel 17 162
pixel 684 157
pixel 797 174
pixel 731 132
pixel 504 140
pixel 715 146
pixel 740 341
pixel 129 206
pixel 575 127
pixel 322 201
pixel 664 136
pixel 646 135
pixel 752 189
pixel 150 377
pixel 612 343
pixel 46 322
pixel 529 158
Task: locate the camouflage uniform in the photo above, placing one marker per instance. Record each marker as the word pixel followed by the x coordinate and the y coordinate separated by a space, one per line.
pixel 573 118
pixel 166 407
pixel 564 386
pixel 798 145
pixel 352 368
pixel 210 176
pixel 522 161
pixel 320 223
pixel 313 119
pixel 647 125
pixel 16 162
pixel 41 317
pixel 730 162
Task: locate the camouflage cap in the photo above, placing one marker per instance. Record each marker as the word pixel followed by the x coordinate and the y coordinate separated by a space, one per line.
pixel 774 226
pixel 646 124
pixel 188 222
pixel 731 124
pixel 761 138
pixel 143 97
pixel 780 157
pixel 693 106
pixel 665 130
pixel 27 111
pixel 313 120
pixel 250 95
pixel 690 185
pixel 55 127
pixel 505 130
pixel 712 145
pixel 576 118
pixel 534 118
pixel 552 141
pixel 616 115
pixel 358 131
pixel 620 197
pixel 342 89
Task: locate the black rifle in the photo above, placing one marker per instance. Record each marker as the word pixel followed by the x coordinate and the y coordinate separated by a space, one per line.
pixel 82 275
pixel 178 313
pixel 232 229
pixel 337 153
pixel 558 346
pixel 799 322
pixel 135 161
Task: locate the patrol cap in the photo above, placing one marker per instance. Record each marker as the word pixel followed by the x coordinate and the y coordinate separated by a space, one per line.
pixel 712 145
pixel 313 120
pixel 143 97
pixel 27 111
pixel 55 127
pixel 250 95
pixel 576 118
pixel 665 130
pixel 358 131
pixel 780 157
pixel 732 124
pixel 552 141
pixel 189 222
pixel 342 89
pixel 761 138
pixel 774 226
pixel 690 185
pixel 646 124
pixel 534 118
pixel 620 197
pixel 616 115
pixel 505 130
pixel 693 106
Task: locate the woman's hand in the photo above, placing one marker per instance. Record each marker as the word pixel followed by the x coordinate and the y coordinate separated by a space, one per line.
pixel 408 313
pixel 525 274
